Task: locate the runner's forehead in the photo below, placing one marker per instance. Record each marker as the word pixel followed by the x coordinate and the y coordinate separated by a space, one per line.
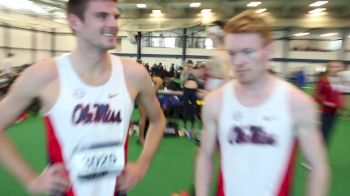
pixel 103 6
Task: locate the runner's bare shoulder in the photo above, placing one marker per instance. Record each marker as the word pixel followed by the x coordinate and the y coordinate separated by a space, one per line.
pixel 299 101
pixel 37 76
pixel 213 101
pixel 134 71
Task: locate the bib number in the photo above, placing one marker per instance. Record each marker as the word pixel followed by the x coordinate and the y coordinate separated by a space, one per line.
pixel 91 163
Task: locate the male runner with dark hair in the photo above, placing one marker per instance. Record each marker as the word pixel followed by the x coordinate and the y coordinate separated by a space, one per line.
pixel 87 99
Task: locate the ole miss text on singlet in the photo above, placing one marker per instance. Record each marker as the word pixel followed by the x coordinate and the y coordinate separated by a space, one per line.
pixel 87 129
pixel 257 145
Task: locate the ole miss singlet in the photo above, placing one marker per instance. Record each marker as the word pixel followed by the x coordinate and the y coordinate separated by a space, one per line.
pixel 87 129
pixel 257 145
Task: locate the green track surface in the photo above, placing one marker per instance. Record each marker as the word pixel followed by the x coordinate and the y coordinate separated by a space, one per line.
pixel 172 168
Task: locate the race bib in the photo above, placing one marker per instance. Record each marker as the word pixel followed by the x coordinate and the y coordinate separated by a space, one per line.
pixel 99 161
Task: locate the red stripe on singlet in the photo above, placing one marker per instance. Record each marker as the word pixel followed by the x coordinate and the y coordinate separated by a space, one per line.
pixel 54 148
pixel 220 191
pixel 285 186
pixel 126 145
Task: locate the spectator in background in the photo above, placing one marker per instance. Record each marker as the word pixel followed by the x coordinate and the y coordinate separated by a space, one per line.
pixel 172 70
pixel 329 98
pixel 139 61
pixel 178 72
pixel 147 67
pixel 299 77
pixel 190 87
pixel 8 63
pixel 218 66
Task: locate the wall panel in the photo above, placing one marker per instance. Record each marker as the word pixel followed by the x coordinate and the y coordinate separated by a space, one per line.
pixel 2 36
pixel 20 38
pixel 41 55
pixel 64 42
pixel 43 40
pixel 22 57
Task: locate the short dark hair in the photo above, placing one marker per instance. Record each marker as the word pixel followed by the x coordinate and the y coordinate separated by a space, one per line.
pixel 219 23
pixel 189 61
pixel 78 7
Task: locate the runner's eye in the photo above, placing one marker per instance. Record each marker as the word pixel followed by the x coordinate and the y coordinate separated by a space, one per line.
pixel 232 53
pixel 247 51
pixel 102 15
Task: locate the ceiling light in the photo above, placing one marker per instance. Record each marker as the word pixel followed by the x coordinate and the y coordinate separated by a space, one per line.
pixel 318 3
pixel 253 4
pixel 142 5
pixel 328 34
pixel 300 34
pixel 262 10
pixel 206 15
pixel 206 11
pixel 24 5
pixel 156 13
pixel 195 4
pixel 317 10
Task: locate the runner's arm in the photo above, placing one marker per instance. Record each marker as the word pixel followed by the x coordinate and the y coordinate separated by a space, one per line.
pixel 150 105
pixel 204 163
pixel 12 105
pixel 311 143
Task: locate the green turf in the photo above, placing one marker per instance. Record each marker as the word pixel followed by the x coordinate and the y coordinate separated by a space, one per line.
pixel 339 163
pixel 172 168
pixel 29 138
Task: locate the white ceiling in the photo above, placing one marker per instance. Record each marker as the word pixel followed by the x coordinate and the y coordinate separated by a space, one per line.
pixel 47 14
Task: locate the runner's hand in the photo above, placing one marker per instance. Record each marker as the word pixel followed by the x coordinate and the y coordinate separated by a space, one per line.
pixel 53 180
pixel 130 176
